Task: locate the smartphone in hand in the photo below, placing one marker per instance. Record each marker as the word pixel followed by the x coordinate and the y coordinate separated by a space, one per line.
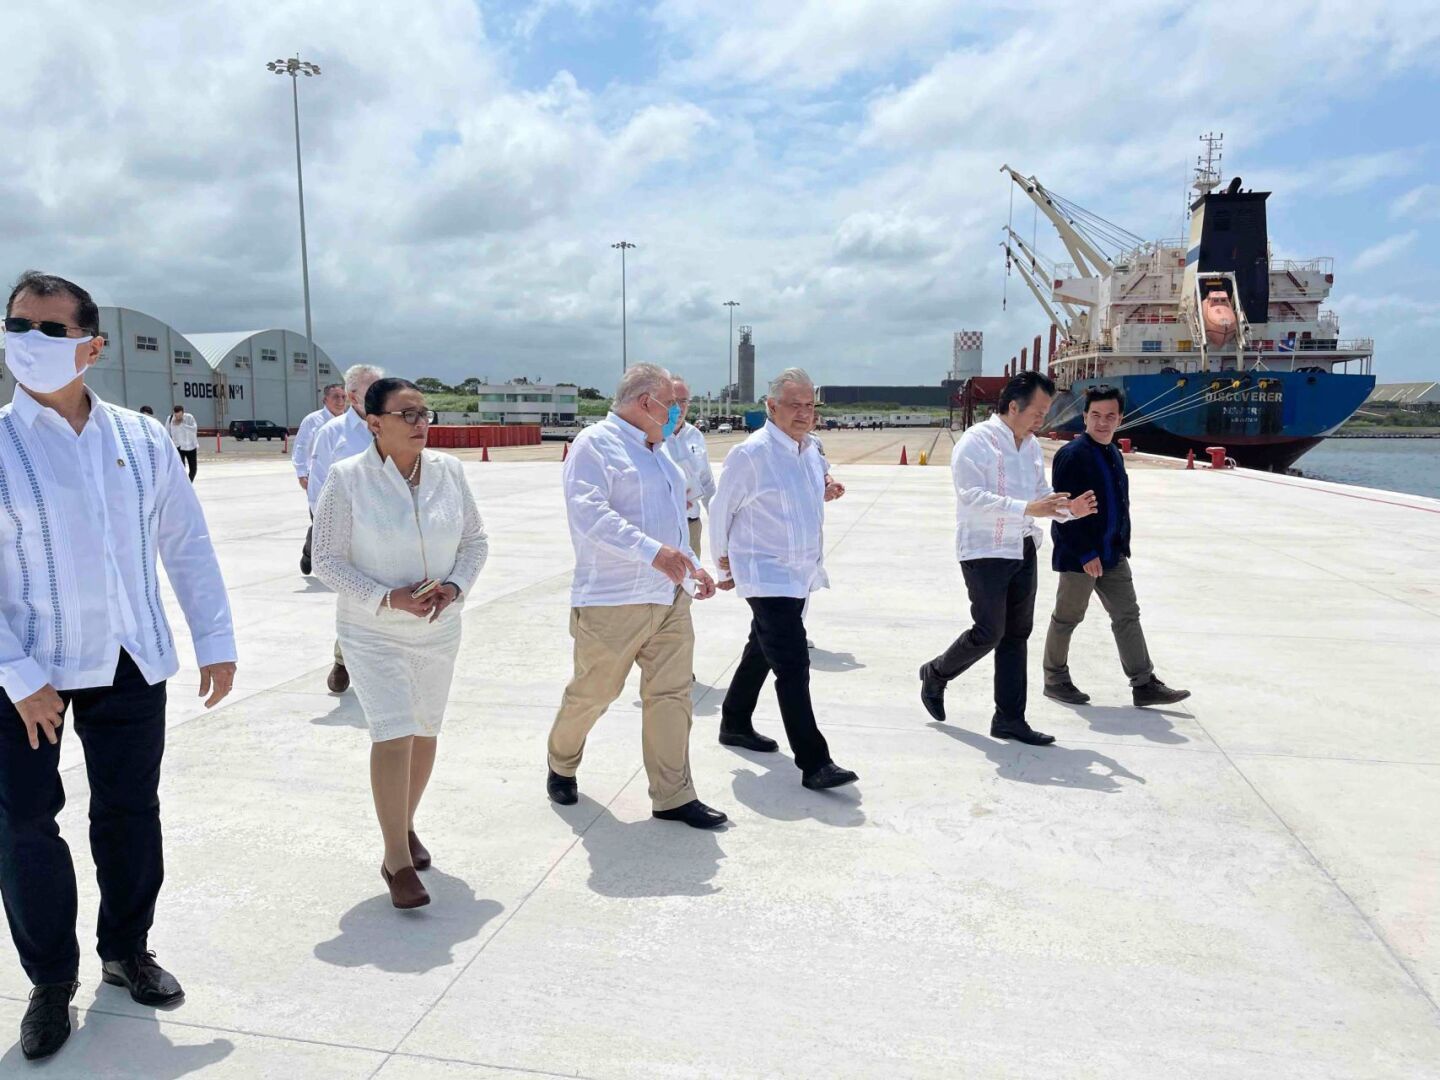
pixel 425 589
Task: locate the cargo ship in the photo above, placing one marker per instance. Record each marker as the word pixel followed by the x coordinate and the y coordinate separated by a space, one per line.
pixel 1212 340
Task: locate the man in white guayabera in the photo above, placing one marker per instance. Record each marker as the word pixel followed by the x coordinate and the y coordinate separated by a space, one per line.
pixel 339 438
pixel 630 597
pixel 333 404
pixel 90 495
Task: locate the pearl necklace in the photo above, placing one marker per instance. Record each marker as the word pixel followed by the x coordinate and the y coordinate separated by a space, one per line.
pixel 413 478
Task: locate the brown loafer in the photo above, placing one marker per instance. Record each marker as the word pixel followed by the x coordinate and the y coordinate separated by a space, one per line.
pixel 418 855
pixel 405 888
pixel 339 680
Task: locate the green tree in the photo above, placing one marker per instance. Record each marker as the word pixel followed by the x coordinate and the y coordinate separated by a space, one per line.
pixel 431 386
pixel 589 393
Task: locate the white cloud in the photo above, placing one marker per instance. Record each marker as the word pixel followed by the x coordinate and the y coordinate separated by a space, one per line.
pixel 1381 253
pixel 1420 203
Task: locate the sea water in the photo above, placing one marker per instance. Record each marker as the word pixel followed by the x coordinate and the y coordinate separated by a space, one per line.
pixel 1408 465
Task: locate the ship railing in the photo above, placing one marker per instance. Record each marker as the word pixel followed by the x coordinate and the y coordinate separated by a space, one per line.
pixel 1323 265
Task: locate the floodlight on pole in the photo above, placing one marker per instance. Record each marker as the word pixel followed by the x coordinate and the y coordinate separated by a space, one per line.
pixel 295 67
pixel 730 354
pixel 624 246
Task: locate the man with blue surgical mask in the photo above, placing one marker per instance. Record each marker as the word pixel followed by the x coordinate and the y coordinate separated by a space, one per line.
pixel 630 596
pixel 91 494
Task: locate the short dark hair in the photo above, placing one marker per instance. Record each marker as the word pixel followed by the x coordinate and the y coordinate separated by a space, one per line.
pixel 178 408
pixel 147 410
pixel 87 315
pixel 1104 393
pixel 1021 389
pixel 332 386
pixel 380 391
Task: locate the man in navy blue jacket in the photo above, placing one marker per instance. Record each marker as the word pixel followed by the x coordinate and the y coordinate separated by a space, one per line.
pixel 1092 555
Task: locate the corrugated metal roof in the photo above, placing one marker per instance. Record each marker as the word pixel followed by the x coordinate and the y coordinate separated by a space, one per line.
pixel 1412 393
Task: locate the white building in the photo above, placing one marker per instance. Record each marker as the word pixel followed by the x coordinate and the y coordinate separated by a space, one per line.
pixel 519 401
pixel 255 375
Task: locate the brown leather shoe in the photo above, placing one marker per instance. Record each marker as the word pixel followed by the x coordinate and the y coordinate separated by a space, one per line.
pixel 405 888
pixel 418 855
pixel 339 680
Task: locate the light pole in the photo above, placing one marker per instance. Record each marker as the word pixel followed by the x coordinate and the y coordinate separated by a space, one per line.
pixel 295 67
pixel 730 354
pixel 624 246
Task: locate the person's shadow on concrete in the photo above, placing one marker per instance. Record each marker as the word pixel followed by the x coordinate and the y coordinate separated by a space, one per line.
pixel 374 934
pixel 704 700
pixel 824 660
pixel 632 859
pixel 101 1041
pixel 313 585
pixel 1152 724
pixel 1059 766
pixel 775 792
pixel 345 713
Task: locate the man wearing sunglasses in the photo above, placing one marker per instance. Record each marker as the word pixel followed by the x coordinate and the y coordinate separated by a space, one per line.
pixel 90 494
pixel 339 438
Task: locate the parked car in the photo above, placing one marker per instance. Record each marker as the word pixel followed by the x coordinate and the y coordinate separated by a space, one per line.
pixel 725 429
pixel 255 430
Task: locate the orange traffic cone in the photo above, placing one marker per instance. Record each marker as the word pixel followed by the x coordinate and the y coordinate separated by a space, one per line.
pixel 1190 459
pixel 485 453
pixel 565 453
pixel 903 460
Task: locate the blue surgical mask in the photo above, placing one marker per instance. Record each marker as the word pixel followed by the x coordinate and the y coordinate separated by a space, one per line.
pixel 672 421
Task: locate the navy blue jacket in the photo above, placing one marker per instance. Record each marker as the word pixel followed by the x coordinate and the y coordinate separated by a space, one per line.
pixel 1083 465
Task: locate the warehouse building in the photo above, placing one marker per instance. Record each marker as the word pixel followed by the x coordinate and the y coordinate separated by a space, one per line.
pixel 254 375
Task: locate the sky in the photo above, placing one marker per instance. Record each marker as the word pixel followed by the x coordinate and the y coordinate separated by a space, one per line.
pixel 832 165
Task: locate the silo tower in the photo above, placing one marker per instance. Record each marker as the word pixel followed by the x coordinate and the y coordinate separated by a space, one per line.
pixel 747 366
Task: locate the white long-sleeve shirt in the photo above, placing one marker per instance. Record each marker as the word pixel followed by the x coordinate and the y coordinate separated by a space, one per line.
pixel 339 438
pixel 183 434
pixel 305 439
pixel 374 534
pixel 82 521
pixel 687 447
pixel 994 481
pixel 768 515
pixel 624 500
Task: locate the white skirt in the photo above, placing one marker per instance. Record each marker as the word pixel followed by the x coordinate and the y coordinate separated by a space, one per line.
pixel 401 666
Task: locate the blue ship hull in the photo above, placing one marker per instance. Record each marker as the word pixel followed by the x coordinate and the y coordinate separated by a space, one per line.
pixel 1264 419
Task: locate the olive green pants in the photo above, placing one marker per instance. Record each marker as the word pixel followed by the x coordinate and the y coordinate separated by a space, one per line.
pixel 1116 587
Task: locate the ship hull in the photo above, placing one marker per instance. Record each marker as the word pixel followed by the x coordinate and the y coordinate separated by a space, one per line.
pixel 1263 419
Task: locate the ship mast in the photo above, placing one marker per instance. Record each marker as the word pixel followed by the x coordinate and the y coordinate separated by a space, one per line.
pixel 1207 167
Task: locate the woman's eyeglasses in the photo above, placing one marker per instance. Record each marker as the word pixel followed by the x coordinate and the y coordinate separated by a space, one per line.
pixel 16 325
pixel 413 416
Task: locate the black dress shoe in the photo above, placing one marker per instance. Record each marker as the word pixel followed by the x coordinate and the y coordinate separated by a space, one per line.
pixel 932 693
pixel 338 680
pixel 1156 692
pixel 46 1025
pixel 749 740
pixel 1067 692
pixel 695 814
pixel 147 981
pixel 1022 733
pixel 827 776
pixel 305 565
pixel 563 789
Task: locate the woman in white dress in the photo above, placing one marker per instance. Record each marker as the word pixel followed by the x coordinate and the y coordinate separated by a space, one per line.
pixel 398 537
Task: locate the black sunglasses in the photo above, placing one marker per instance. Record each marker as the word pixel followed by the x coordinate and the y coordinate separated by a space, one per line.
pixel 16 325
pixel 413 416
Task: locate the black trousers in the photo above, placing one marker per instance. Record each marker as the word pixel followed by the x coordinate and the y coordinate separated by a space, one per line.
pixel 777 643
pixel 192 461
pixel 309 536
pixel 1002 609
pixel 122 728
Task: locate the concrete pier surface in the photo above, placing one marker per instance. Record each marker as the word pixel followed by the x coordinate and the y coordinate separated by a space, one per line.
pixel 1247 885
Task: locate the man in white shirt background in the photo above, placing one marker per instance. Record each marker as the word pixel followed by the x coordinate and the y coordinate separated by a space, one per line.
pixel 629 598
pixel 340 437
pixel 767 535
pixel 182 429
pixel 687 447
pixel 333 403
pixel 91 494
pixel 1000 489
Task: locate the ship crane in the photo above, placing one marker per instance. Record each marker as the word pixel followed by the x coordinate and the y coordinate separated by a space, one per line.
pixel 1088 259
pixel 1023 259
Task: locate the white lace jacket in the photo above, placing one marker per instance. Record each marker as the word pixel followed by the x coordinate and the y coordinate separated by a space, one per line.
pixel 372 535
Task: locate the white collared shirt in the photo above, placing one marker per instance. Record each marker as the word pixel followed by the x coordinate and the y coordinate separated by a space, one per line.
pixel 305 439
pixel 994 481
pixel 687 447
pixel 624 500
pixel 183 434
pixel 82 520
pixel 339 438
pixel 768 515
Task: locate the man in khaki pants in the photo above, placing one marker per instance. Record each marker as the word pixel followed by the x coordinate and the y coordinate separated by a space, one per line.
pixel 625 500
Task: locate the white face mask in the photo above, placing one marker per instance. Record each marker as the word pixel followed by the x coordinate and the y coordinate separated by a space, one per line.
pixel 42 363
